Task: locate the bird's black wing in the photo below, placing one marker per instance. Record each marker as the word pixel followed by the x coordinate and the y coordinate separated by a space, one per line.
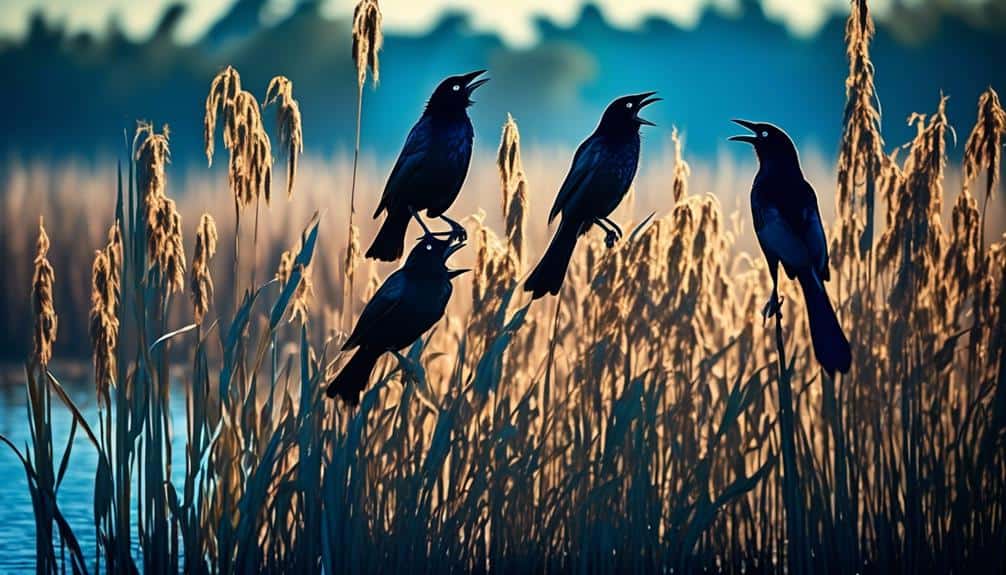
pixel 813 233
pixel 417 144
pixel 381 306
pixel 793 233
pixel 582 170
pixel 778 238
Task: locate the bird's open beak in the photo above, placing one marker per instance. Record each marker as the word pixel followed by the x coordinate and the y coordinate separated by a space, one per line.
pixel 644 100
pixel 451 249
pixel 470 85
pixel 745 138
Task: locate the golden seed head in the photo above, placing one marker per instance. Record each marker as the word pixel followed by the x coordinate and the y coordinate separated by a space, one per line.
pixel 984 145
pixel 280 91
pixel 513 188
pixel 104 326
pixel 224 88
pixel 152 157
pixel 43 280
pixel 201 280
pixel 367 40
pixel 679 182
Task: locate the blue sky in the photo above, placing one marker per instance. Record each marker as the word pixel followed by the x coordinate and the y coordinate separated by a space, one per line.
pixel 510 18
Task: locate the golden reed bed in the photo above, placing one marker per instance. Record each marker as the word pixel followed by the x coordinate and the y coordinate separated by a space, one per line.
pixel 630 424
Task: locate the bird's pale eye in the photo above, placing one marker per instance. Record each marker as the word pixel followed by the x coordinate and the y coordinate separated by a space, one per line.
pixel 628 105
pixel 429 247
pixel 764 134
pixel 456 87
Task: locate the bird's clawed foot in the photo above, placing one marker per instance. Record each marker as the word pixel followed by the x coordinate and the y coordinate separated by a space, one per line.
pixel 612 233
pixel 773 308
pixel 610 238
pixel 457 230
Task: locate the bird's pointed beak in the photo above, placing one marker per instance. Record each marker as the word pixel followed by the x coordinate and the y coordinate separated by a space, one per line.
pixel 644 100
pixel 746 137
pixel 450 250
pixel 471 84
pixel 455 273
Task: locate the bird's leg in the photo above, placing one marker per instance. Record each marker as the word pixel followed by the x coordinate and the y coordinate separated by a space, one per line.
pixel 415 215
pixel 617 229
pixel 773 307
pixel 456 229
pixel 610 235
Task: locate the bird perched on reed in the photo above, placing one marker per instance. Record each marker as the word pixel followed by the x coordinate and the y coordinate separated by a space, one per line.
pixel 431 167
pixel 788 225
pixel 406 305
pixel 603 169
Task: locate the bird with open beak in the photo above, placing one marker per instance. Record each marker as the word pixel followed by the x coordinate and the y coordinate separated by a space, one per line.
pixel 603 169
pixel 432 166
pixel 411 301
pixel 788 225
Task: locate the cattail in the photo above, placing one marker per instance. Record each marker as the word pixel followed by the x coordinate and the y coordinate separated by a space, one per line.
pixel 280 90
pixel 367 40
pixel 679 181
pixel 984 145
pixel 104 323
pixel 352 254
pixel 43 279
pixel 201 281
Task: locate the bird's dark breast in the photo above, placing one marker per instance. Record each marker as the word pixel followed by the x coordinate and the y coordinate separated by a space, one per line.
pixel 611 180
pixel 445 168
pixel 422 306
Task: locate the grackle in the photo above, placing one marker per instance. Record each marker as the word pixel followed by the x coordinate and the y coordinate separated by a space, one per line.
pixel 602 171
pixel 788 225
pixel 431 167
pixel 407 304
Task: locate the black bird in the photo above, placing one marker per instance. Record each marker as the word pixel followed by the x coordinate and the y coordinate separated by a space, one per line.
pixel 602 171
pixel 431 167
pixel 410 302
pixel 788 225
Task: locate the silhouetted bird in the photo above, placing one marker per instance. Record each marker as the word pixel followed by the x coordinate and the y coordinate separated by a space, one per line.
pixel 410 302
pixel 602 171
pixel 788 225
pixel 431 167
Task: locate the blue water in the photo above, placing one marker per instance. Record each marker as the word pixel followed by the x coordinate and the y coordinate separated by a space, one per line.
pixel 75 495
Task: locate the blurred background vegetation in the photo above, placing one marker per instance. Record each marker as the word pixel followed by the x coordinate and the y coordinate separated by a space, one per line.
pixel 74 91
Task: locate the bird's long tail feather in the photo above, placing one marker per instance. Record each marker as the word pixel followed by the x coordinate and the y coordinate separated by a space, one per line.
pixel 547 277
pixel 390 240
pixel 354 376
pixel 830 344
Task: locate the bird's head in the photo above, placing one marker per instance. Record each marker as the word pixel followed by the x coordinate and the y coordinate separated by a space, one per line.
pixel 454 93
pixel 770 142
pixel 623 113
pixel 432 252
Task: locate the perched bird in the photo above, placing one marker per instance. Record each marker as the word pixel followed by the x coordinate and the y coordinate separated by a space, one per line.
pixel 788 225
pixel 410 302
pixel 602 171
pixel 431 167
